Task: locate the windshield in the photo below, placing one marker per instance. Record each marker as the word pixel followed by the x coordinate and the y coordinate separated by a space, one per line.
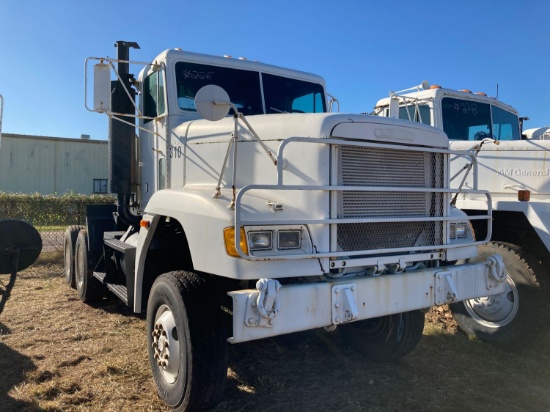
pixel 468 120
pixel 243 86
pixel 282 94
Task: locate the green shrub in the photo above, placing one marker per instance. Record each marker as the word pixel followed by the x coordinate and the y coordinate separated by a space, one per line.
pixel 49 211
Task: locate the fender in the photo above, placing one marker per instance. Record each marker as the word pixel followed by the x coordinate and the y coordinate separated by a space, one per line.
pixel 537 213
pixel 203 219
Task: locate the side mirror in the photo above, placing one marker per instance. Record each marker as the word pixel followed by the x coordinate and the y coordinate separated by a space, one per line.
pixel 102 88
pixel 212 102
pixel 394 107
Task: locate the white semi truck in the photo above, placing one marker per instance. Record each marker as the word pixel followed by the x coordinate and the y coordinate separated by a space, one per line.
pixel 514 167
pixel 279 218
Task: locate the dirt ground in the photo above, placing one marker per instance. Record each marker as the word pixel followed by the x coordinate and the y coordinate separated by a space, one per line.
pixel 57 354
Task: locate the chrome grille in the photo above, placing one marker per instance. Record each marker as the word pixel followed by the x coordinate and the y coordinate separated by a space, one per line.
pixel 366 166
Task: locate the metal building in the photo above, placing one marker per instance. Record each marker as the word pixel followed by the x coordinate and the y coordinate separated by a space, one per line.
pixel 48 165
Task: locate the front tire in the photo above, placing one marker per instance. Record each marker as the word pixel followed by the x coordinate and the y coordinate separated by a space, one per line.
pixel 186 341
pixel 69 245
pixel 387 338
pixel 514 319
pixel 88 288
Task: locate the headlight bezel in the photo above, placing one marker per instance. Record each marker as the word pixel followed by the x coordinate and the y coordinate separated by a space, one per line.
pixel 301 244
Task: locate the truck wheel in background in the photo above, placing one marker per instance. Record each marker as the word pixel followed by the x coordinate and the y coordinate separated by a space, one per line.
pixel 515 318
pixel 186 340
pixel 69 244
pixel 88 288
pixel 386 338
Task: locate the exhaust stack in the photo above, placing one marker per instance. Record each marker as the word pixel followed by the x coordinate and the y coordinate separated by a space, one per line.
pixel 122 160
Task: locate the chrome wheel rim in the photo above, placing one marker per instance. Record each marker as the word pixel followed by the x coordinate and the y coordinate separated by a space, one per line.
pixel 498 310
pixel 80 271
pixel 166 346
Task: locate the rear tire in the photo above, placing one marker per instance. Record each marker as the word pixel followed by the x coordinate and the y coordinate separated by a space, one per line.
pixel 386 338
pixel 514 319
pixel 88 288
pixel 69 244
pixel 186 341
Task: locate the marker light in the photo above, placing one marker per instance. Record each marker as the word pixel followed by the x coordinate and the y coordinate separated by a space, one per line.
pixel 229 240
pixel 524 195
pixel 458 230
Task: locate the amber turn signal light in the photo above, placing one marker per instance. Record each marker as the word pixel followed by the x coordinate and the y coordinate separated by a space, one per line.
pixel 524 195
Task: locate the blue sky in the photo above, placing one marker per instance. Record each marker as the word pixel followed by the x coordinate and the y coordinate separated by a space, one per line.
pixel 362 48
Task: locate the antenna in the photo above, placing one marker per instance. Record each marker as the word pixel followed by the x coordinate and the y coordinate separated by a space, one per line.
pixel 497 91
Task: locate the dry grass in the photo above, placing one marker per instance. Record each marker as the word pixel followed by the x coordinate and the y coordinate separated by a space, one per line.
pixel 57 354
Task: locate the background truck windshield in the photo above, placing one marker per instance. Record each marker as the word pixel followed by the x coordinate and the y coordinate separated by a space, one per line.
pixel 282 95
pixel 468 120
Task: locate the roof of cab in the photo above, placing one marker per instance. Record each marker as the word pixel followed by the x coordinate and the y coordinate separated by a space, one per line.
pixel 432 93
pixel 171 56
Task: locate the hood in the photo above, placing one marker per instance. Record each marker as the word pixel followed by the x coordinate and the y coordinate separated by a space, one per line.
pixel 319 126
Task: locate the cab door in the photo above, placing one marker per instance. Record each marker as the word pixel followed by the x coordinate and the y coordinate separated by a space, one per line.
pixel 154 148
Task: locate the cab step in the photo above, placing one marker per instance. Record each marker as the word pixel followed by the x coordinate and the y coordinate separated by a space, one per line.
pixel 121 291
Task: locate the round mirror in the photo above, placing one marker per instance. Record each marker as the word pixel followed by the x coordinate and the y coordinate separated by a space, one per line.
pixel 212 102
pixel 425 85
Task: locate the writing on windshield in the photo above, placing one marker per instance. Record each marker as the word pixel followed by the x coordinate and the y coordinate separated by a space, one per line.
pixel 244 87
pixel 469 120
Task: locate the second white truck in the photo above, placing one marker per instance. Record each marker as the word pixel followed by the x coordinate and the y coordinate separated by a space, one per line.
pixel 515 167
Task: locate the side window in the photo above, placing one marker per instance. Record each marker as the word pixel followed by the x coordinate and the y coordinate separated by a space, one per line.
pixel 419 113
pixel 153 95
pixel 100 185
pixel 162 174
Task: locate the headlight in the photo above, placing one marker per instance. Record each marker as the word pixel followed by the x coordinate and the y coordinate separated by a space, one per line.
pixel 260 240
pixel 289 239
pixel 458 230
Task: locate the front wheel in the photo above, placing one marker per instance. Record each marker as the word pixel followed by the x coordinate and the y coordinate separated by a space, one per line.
pixel 186 341
pixel 513 319
pixel 386 338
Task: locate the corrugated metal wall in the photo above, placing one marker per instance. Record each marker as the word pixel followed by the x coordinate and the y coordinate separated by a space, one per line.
pixel 47 165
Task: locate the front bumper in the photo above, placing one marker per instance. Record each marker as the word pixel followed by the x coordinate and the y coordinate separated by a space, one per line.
pixel 275 310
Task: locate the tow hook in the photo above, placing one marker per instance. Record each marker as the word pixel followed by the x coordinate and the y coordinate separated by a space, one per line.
pixel 263 305
pixel 495 273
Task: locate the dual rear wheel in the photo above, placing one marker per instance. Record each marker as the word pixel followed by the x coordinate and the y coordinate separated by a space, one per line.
pixel 88 288
pixel 78 273
pixel 69 246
